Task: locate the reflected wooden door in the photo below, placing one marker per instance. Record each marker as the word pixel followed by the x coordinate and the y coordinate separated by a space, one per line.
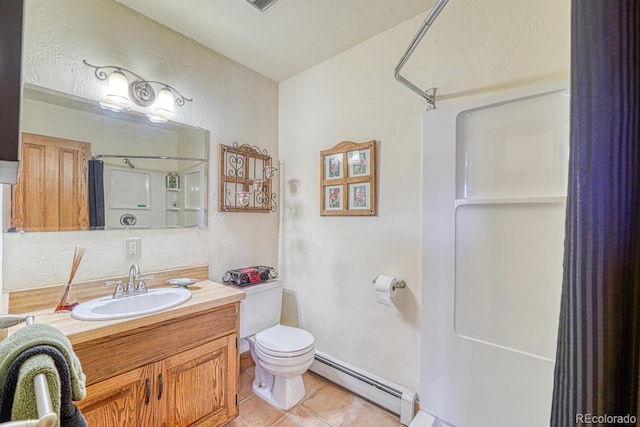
pixel 52 189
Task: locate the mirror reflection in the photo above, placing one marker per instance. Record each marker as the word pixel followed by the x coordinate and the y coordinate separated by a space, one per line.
pixel 83 167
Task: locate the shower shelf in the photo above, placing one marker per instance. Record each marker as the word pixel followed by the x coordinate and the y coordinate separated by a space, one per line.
pixel 513 200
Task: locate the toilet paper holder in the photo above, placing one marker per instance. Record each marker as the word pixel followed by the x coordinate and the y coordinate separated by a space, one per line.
pixel 400 284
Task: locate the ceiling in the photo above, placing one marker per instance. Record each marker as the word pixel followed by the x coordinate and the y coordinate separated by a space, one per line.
pixel 289 37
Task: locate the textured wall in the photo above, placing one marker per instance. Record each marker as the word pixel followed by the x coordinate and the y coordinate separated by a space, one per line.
pixel 234 103
pixel 474 48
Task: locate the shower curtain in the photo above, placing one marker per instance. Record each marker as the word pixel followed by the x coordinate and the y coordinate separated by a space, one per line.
pixel 96 195
pixel 598 361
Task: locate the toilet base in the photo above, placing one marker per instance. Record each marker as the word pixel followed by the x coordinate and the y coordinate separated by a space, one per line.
pixel 281 392
pixel 285 389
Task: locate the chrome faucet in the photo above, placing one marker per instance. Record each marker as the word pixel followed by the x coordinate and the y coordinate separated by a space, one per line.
pixel 134 273
pixel 132 288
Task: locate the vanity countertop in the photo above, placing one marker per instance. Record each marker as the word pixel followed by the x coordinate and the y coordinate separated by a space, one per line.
pixel 206 295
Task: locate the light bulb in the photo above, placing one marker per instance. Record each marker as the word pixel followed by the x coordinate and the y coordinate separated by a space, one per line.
pixel 164 104
pixel 118 89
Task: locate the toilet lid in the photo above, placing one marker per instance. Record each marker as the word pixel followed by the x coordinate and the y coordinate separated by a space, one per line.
pixel 280 340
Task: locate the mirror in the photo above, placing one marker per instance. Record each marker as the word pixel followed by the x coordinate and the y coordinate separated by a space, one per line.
pixel 142 174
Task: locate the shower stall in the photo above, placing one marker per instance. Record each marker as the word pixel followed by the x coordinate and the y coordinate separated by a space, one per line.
pixel 494 187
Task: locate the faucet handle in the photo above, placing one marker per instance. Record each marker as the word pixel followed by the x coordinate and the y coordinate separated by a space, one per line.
pixel 142 286
pixel 119 291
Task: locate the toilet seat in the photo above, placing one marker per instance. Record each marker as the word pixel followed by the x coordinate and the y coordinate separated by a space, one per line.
pixel 284 355
pixel 286 361
pixel 281 341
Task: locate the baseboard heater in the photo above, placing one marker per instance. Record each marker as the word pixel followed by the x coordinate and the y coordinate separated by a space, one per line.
pixel 393 397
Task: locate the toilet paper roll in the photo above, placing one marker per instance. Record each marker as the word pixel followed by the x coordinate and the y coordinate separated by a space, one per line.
pixel 385 289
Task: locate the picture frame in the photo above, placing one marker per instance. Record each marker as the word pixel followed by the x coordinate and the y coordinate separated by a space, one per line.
pixel 333 198
pixel 359 162
pixel 348 179
pixel 334 166
pixel 359 195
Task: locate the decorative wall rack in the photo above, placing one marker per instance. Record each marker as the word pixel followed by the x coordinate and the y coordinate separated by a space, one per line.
pixel 246 179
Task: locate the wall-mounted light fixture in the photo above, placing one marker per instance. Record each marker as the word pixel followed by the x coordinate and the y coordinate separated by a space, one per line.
pixel 125 86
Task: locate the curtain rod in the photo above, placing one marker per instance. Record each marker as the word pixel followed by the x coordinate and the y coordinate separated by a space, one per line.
pixel 429 95
pixel 95 156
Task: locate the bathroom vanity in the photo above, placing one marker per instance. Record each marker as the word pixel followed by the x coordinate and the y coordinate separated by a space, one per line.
pixel 178 367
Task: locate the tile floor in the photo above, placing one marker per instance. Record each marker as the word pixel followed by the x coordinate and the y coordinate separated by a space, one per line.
pixel 325 405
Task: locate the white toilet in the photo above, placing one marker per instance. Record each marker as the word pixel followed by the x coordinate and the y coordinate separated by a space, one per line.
pixel 281 353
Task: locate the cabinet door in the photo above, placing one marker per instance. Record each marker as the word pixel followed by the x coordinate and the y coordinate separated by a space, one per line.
pixel 120 401
pixel 200 385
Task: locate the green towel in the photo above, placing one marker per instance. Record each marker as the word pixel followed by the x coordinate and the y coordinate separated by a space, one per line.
pixel 42 334
pixel 24 404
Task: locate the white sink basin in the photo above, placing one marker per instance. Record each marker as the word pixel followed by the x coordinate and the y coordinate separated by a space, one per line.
pixel 153 301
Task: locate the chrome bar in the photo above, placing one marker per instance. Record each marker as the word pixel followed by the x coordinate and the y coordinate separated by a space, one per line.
pixel 43 398
pixel 9 320
pixel 95 156
pixel 430 94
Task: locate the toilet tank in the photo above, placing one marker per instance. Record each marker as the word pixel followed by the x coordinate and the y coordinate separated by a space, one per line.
pixel 261 307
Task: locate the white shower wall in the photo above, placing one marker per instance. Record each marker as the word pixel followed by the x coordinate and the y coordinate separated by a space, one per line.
pixel 495 173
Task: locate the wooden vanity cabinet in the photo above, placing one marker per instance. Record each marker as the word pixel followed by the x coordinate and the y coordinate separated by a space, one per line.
pixel 178 373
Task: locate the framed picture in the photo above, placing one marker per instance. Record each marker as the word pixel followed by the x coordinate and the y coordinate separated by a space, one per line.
pixel 359 162
pixel 333 166
pixel 348 179
pixel 359 196
pixel 333 198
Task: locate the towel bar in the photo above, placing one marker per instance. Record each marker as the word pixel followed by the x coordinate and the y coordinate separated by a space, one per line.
pixel 46 415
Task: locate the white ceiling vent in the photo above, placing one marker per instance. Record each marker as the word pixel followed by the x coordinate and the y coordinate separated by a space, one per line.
pixel 261 5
